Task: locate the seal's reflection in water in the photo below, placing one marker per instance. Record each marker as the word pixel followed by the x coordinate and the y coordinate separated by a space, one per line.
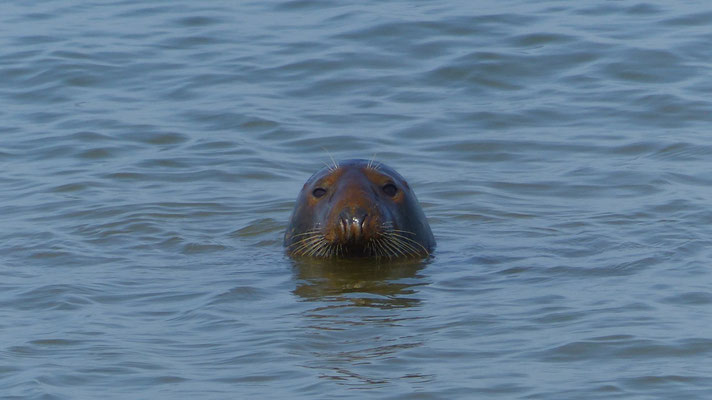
pixel 363 315
pixel 360 282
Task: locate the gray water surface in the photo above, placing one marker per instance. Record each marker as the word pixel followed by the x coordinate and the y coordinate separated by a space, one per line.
pixel 152 152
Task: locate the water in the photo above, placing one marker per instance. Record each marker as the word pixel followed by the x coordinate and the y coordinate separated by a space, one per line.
pixel 151 154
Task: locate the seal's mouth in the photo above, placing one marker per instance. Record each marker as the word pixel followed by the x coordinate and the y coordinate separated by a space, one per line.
pixel 351 242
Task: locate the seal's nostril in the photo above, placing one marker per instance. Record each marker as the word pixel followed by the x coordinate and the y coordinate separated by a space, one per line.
pixel 363 220
pixel 344 227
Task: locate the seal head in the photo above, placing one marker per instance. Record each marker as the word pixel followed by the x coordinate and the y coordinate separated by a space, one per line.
pixel 358 208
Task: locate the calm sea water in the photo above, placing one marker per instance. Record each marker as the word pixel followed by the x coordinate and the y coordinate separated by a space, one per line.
pixel 151 153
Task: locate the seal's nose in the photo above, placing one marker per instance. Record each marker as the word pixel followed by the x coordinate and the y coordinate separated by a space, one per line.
pixel 352 223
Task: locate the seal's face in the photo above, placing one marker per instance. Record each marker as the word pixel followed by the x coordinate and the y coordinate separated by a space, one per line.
pixel 358 209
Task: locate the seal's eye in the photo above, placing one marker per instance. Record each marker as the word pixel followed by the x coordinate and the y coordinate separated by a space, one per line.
pixel 390 189
pixel 318 192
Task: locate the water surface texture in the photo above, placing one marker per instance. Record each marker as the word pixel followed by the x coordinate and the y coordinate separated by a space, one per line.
pixel 151 153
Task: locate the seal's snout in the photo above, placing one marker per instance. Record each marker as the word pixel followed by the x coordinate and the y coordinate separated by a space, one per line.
pixel 352 225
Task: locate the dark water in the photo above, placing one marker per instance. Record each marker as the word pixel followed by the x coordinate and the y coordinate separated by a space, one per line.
pixel 152 151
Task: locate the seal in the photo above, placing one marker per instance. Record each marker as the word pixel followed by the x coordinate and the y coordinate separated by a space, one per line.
pixel 358 209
